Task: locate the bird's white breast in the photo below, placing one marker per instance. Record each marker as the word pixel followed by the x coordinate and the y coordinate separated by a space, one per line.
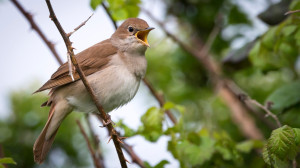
pixel 114 86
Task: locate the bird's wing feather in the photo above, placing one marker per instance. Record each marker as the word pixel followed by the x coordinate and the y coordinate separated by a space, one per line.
pixel 90 60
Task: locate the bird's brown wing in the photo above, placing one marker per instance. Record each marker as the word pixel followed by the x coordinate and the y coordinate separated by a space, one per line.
pixel 90 60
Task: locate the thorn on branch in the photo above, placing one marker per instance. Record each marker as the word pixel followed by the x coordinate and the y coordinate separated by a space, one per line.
pixel 242 97
pixel 269 105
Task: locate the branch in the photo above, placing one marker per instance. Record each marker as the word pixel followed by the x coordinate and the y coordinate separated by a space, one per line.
pixel 103 115
pixel 158 97
pixel 95 159
pixel 127 148
pixel 135 158
pixel 292 12
pixel 239 112
pixel 160 100
pixel 246 98
pixel 35 27
pixel 96 141
pixel 109 15
pixel 78 27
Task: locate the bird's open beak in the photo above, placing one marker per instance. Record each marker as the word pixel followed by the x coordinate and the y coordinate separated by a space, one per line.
pixel 142 35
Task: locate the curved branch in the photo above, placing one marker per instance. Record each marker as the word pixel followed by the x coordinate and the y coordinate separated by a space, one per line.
pixel 95 160
pixel 104 116
pixel 35 27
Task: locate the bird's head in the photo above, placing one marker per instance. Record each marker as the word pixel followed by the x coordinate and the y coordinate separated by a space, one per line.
pixel 132 35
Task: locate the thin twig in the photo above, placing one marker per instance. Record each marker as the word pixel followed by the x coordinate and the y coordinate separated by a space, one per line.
pixel 160 100
pixel 2 155
pixel 246 98
pixel 294 163
pixel 78 27
pixel 95 141
pixel 158 97
pixel 109 15
pixel 35 27
pixel 239 112
pixel 291 12
pixel 103 115
pixel 95 159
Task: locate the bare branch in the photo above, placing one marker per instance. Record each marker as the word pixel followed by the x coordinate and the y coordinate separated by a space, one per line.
pixel 246 98
pixel 35 27
pixel 2 155
pixel 109 15
pixel 78 27
pixel 95 141
pixel 160 100
pixel 104 117
pixel 291 12
pixel 95 159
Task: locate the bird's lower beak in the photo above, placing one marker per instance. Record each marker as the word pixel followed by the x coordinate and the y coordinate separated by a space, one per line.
pixel 142 35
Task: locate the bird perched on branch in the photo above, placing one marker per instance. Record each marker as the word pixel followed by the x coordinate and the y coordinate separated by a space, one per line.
pixel 114 69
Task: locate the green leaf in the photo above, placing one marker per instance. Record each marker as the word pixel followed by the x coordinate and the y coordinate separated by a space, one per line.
pixel 161 164
pixel 121 9
pixel 95 3
pixel 128 132
pixel 152 124
pixel 285 96
pixel 266 155
pixel 168 105
pixel 297 136
pixel 7 160
pixel 120 14
pixel 247 146
pixel 282 143
pixel 288 30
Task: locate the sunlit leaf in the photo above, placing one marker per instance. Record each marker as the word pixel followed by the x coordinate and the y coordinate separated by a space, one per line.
pixel 7 160
pixel 95 3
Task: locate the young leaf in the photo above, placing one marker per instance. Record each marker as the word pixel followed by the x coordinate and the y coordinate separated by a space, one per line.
pixel 247 146
pixel 297 136
pixel 282 143
pixel 7 160
pixel 152 124
pixel 95 3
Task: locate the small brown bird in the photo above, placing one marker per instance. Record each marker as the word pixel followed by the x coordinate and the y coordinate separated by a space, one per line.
pixel 114 69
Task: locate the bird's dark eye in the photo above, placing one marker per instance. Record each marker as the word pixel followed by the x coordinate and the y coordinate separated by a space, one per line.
pixel 130 29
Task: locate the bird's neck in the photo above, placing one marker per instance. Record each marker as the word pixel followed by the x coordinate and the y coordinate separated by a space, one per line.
pixel 129 45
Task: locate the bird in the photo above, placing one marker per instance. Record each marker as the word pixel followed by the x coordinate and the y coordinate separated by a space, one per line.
pixel 114 69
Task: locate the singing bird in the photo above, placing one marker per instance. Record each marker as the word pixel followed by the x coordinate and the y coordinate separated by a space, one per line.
pixel 114 69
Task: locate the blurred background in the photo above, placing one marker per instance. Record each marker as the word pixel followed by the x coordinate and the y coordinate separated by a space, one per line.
pixel 211 64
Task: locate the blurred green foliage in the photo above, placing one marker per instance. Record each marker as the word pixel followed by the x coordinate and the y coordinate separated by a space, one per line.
pixel 19 131
pixel 119 9
pixel 6 160
pixel 267 69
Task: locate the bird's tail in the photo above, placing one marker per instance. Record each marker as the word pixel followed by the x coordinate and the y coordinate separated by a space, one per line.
pixel 44 142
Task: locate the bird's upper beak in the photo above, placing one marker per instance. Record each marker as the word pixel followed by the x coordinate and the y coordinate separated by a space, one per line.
pixel 142 35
